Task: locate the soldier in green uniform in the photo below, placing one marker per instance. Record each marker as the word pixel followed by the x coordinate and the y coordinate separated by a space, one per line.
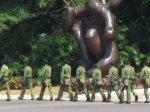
pixel 112 82
pixel 81 83
pixel 145 79
pixel 4 79
pixel 132 82
pixel 46 81
pixel 27 82
pixel 125 80
pixel 97 83
pixel 65 81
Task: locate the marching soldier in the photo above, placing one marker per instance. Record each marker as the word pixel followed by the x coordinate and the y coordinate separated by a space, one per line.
pixel 145 79
pixel 132 82
pixel 81 84
pixel 125 80
pixel 46 81
pixel 4 79
pixel 112 82
pixel 27 82
pixel 97 83
pixel 65 81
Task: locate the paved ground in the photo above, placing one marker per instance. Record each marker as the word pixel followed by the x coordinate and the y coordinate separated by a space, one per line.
pixel 66 106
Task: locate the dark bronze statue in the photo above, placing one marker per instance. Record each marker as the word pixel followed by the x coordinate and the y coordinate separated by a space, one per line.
pixel 94 27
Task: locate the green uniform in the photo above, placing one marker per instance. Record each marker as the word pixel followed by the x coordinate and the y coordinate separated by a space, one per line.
pixel 27 82
pixel 126 71
pixel 80 79
pixel 113 82
pixel 65 76
pixel 132 80
pixel 96 76
pixel 5 76
pixel 145 74
pixel 46 81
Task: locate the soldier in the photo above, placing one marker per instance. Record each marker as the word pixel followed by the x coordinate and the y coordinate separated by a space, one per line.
pixel 46 81
pixel 112 82
pixel 4 79
pixel 97 83
pixel 145 79
pixel 27 82
pixel 65 81
pixel 125 80
pixel 132 82
pixel 81 83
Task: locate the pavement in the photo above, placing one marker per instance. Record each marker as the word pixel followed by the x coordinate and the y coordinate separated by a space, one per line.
pixel 82 97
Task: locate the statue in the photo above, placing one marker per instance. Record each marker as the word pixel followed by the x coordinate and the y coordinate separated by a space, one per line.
pixel 94 26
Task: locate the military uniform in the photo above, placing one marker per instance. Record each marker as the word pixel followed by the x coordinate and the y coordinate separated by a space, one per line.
pixel 65 82
pixel 4 76
pixel 97 84
pixel 27 83
pixel 126 76
pixel 46 82
pixel 113 82
pixel 81 85
pixel 132 82
pixel 145 74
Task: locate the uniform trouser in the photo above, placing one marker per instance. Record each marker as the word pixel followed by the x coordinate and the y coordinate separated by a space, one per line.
pixel 128 89
pixel 145 86
pixel 100 89
pixel 81 87
pixel 43 90
pixel 24 87
pixel 113 85
pixel 61 90
pixel 132 89
pixel 6 83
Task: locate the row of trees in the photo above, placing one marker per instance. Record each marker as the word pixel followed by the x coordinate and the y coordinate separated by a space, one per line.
pixel 30 30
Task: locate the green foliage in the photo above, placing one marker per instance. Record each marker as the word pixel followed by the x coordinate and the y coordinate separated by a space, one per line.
pixel 30 30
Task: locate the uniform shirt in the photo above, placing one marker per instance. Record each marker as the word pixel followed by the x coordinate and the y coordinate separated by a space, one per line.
pixel 4 71
pixel 65 72
pixel 132 75
pixel 46 71
pixel 96 75
pixel 27 72
pixel 113 73
pixel 126 71
pixel 145 73
pixel 80 72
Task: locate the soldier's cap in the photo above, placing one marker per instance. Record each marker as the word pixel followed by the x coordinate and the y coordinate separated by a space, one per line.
pixel 45 61
pixel 125 62
pixel 65 61
pixel 145 62
pixel 79 62
pixel 111 63
pixel 27 63
pixel 4 62
pixel 95 65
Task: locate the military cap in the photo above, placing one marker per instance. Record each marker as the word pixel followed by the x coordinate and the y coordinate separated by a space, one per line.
pixel 95 65
pixel 125 62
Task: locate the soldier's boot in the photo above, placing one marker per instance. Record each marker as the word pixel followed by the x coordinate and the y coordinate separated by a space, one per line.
pixel 146 102
pixel 38 98
pixel 8 99
pixel 136 98
pixel 51 99
pixel 75 98
pixel 20 98
pixel 128 102
pixel 88 98
pixel 104 99
pixel 58 99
